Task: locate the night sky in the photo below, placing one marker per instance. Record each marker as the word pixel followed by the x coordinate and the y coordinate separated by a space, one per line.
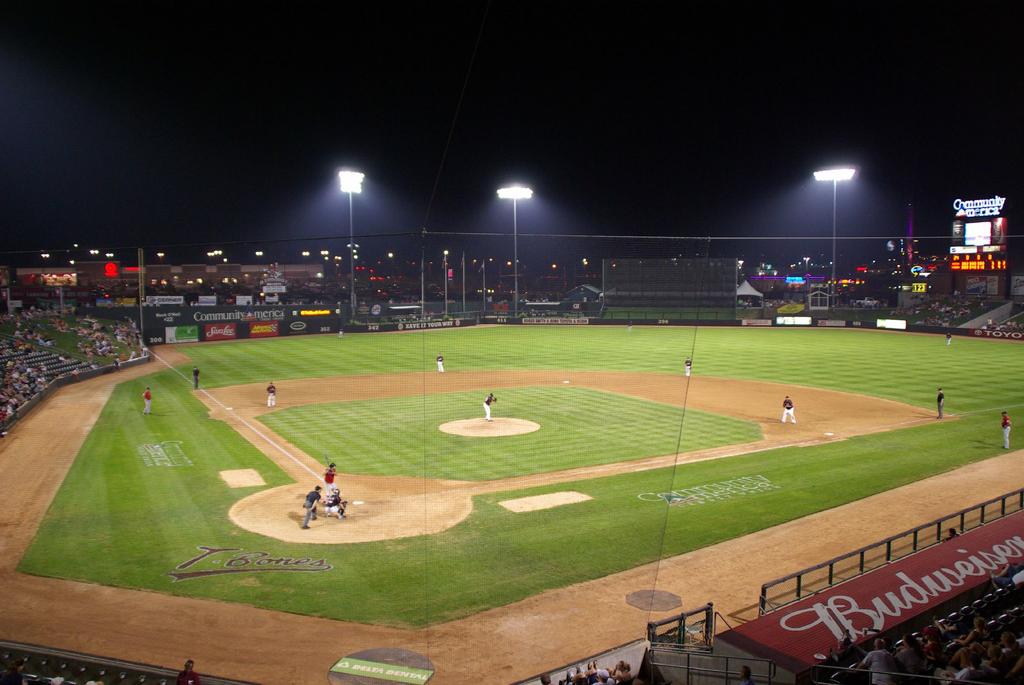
pixel 157 122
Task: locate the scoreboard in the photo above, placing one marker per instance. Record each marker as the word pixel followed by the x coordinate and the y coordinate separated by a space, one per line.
pixel 977 262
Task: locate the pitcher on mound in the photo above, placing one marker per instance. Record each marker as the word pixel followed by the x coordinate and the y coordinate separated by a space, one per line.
pixel 487 405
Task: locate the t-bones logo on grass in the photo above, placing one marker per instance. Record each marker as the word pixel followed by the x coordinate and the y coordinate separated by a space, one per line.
pixel 219 561
pixel 712 492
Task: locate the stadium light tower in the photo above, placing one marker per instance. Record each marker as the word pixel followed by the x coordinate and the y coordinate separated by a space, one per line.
pixel 351 182
pixel 515 193
pixel 834 175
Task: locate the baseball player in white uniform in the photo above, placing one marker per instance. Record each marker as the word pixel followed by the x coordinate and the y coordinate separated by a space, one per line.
pixel 688 366
pixel 440 363
pixel 271 395
pixel 787 410
pixel 487 405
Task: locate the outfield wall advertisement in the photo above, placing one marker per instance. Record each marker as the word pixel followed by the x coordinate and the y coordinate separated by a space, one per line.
pixel 166 323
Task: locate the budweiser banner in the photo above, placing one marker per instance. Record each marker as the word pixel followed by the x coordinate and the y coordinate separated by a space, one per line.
pixel 882 599
pixel 220 331
pixel 264 329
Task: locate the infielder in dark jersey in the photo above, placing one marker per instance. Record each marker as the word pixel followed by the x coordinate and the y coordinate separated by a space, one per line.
pixel 787 410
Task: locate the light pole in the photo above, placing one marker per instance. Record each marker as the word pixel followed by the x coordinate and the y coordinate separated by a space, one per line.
pixel 445 276
pixel 834 175
pixel 515 193
pixel 351 182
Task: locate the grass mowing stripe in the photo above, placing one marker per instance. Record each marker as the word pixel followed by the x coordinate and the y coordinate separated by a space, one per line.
pixel 579 427
pixel 897 366
pixel 124 524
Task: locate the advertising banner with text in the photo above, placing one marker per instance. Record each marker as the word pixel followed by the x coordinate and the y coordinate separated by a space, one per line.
pixel 220 331
pixel 883 599
pixel 264 329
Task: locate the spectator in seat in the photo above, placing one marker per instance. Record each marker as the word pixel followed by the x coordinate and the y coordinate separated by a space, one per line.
pixel 745 677
pixel 12 676
pixel 976 671
pixel 933 648
pixel 1004 576
pixel 881 663
pixel 979 633
pixel 188 676
pixel 911 656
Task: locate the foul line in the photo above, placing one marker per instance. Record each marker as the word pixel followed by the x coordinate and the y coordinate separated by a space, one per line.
pixel 991 409
pixel 244 422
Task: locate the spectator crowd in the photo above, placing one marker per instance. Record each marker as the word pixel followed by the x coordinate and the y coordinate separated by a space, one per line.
pixel 966 646
pixel 30 358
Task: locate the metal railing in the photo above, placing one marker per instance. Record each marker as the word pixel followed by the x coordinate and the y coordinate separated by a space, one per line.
pixel 830 675
pixel 690 630
pixel 795 586
pixel 713 668
pixel 44 663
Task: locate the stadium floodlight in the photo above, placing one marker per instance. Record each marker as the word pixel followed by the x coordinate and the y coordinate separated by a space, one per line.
pixel 351 182
pixel 834 175
pixel 515 193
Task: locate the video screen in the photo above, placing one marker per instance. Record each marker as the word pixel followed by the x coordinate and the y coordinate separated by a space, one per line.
pixel 978 233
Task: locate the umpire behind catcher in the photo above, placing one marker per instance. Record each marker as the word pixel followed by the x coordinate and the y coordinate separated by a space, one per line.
pixel 312 497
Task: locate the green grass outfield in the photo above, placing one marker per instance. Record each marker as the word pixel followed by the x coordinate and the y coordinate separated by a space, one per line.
pixel 976 374
pixel 579 427
pixel 118 522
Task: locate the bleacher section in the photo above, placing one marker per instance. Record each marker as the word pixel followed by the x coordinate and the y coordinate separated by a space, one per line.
pixel 25 372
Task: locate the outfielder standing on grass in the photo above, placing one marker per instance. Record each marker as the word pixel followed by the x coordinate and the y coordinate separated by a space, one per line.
pixel 440 363
pixel 688 366
pixel 148 398
pixel 1006 431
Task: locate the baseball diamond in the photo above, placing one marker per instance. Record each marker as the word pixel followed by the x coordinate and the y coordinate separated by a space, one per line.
pixel 429 556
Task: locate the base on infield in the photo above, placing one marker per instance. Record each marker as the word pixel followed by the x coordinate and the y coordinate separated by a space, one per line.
pixel 482 428
pixel 242 478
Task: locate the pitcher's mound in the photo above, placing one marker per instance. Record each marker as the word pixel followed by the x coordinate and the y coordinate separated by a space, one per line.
pixel 481 428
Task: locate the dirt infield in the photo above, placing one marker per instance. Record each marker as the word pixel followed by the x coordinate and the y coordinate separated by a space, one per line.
pixel 526 637
pixel 389 502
